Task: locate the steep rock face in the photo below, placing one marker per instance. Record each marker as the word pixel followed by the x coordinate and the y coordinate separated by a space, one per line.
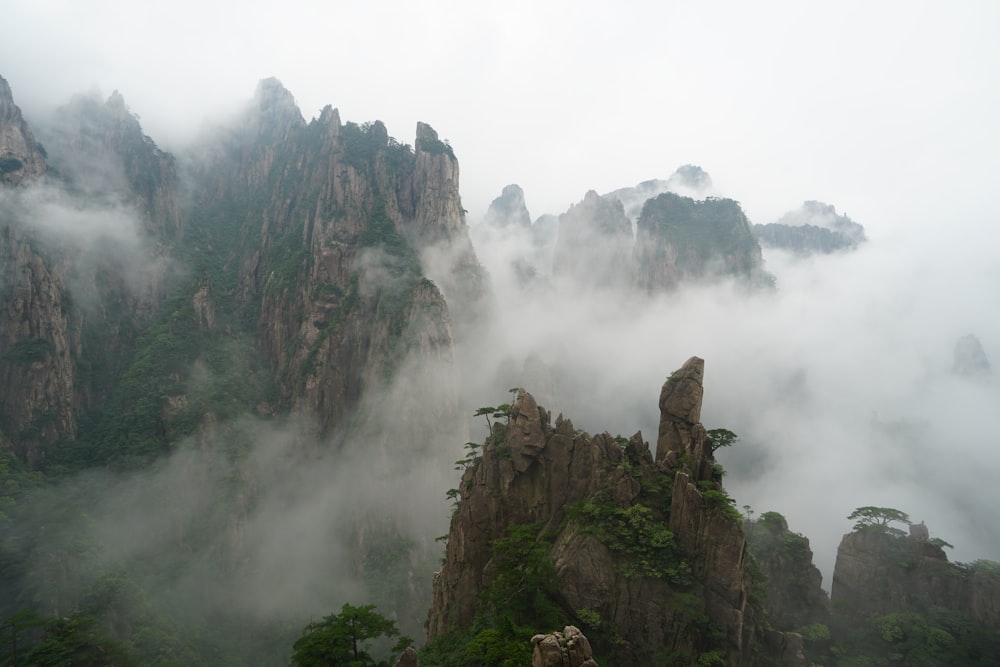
pixel 508 209
pixel 680 412
pixel 879 573
pixel 689 180
pixel 801 239
pixel 333 220
pixel 794 597
pixel 812 228
pixel 21 157
pixel 681 240
pixel 578 491
pixel 100 150
pixel 38 337
pixel 439 231
pixel 83 264
pixel 39 341
pixel 594 243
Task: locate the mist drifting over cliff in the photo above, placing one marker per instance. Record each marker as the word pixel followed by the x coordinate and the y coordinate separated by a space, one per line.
pixel 839 381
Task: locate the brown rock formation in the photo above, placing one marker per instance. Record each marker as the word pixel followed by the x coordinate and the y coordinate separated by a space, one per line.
pixel 37 335
pixel 39 340
pixel 879 573
pixel 533 472
pixel 333 219
pixel 568 648
pixel 680 413
pixel 794 597
pixel 100 150
pixel 69 308
pixel 21 157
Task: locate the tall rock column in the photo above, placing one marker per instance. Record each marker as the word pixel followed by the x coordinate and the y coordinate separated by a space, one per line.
pixel 680 430
pixel 21 158
pixel 37 338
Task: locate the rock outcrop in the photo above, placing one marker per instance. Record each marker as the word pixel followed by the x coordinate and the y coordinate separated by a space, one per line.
pixel 680 240
pixel 82 266
pixel 880 573
pixel 603 506
pixel 795 597
pixel 334 221
pixel 508 209
pixel 22 159
pixel 813 228
pixel 101 153
pixel 568 648
pixel 688 180
pixel 594 243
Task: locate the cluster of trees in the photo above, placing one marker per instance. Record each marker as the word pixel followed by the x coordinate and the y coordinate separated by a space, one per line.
pixel 347 639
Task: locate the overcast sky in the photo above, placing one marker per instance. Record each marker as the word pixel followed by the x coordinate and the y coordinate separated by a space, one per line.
pixel 882 109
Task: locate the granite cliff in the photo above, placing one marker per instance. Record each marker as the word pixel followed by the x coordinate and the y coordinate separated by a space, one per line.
pixel 881 573
pixel 681 240
pixel 647 555
pixel 84 263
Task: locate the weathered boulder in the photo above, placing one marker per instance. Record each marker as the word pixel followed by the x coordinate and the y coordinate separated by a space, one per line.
pixel 568 648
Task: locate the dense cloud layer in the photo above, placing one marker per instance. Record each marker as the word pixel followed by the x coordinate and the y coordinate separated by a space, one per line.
pixel 839 382
pixel 842 102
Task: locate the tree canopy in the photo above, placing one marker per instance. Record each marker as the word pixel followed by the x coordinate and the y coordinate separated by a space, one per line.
pixel 878 519
pixel 721 437
pixel 344 639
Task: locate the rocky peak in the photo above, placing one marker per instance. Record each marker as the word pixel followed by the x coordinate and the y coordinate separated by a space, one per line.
pixel 812 228
pixel 273 112
pixel 438 229
pixel 101 152
pixel 689 180
pixel 589 500
pixel 594 243
pixel 508 209
pixel 970 358
pixel 682 240
pixel 690 177
pixel 680 413
pixel 22 159
pixel 427 141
